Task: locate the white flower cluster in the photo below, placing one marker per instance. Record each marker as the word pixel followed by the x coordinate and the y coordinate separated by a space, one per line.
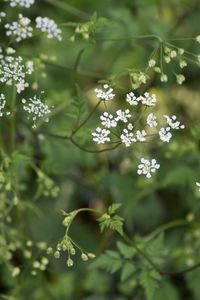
pixel 50 27
pixel 2 106
pixel 147 167
pixel 23 3
pixel 127 126
pixel 2 15
pixel 146 99
pixel 20 30
pixel 14 71
pixel 36 108
pixel 165 133
pixel 106 93
pixel 101 135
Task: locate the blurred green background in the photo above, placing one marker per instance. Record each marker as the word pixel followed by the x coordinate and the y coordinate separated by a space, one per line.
pixel 97 180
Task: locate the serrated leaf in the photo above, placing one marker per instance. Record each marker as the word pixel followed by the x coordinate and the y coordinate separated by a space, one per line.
pixel 112 209
pixel 150 282
pixel 110 261
pixel 155 249
pixel 127 251
pixel 127 270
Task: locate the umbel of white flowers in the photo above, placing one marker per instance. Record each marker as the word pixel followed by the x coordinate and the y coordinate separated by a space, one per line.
pixel 124 125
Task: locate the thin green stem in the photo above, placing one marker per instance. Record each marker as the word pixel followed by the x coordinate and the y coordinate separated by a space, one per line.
pixel 164 227
pixel 141 253
pixel 13 121
pixel 85 121
pixel 145 36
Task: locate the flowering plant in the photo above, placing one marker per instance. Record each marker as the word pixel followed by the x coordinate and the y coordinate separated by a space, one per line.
pixel 112 142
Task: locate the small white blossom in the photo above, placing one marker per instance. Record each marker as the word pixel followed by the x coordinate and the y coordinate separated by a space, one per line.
pixel 16 271
pixel 127 137
pixel 36 108
pixel 141 135
pixel 198 184
pixel 101 135
pixel 2 15
pixel 20 30
pixel 181 51
pixel 180 78
pixel 182 64
pixel 123 115
pixel 23 3
pixel 130 126
pixel 198 39
pixel 173 123
pixel 165 134
pixel 30 67
pixel 147 99
pixel 173 54
pixel 167 59
pixel 2 106
pixel 146 167
pixel 152 63
pixel 106 93
pixel 10 51
pixel 50 27
pixel 108 120
pixel 132 99
pixel 151 120
pixel 163 77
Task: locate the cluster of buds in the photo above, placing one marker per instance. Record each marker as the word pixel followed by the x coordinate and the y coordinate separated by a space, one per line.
pixel 68 245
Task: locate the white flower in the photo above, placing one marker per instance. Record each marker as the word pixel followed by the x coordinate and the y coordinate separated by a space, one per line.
pixel 140 135
pixel 127 137
pixel 16 271
pixel 130 126
pixel 165 134
pixel 198 184
pixel 106 93
pixel 101 135
pixel 50 27
pixel 180 78
pixel 108 120
pixel 132 99
pixel 181 51
pixel 198 39
pixel 148 100
pixel 146 167
pixel 20 30
pixel 173 123
pixel 151 120
pixel 152 63
pixel 123 115
pixel 2 105
pixel 2 15
pixel 36 108
pixel 182 64
pixel 23 3
pixel 12 70
pixel 163 77
pixel 173 54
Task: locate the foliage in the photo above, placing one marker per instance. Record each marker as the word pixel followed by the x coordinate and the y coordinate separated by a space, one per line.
pixel 82 214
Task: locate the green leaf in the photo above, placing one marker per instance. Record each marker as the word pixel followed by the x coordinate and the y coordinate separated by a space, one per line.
pixel 127 251
pixel 127 270
pixel 116 224
pixel 150 282
pixel 112 209
pixel 167 291
pixel 109 261
pixel 156 249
